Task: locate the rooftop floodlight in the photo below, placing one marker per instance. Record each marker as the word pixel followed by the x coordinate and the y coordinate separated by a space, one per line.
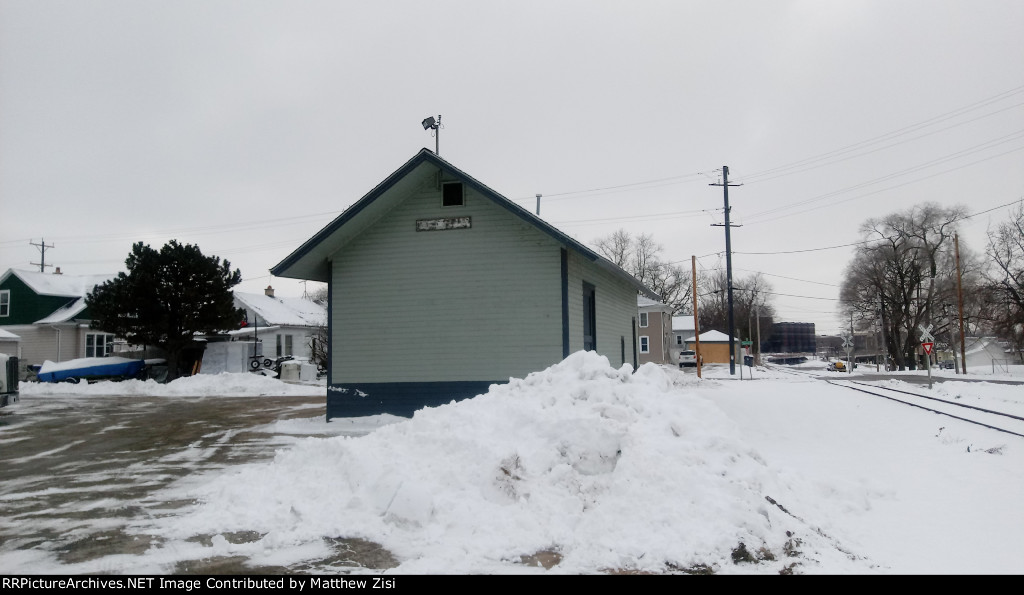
pixel 429 123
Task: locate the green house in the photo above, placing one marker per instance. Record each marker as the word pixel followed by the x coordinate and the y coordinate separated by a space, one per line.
pixel 48 312
pixel 440 287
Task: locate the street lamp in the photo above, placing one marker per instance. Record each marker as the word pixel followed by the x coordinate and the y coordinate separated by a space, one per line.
pixel 429 123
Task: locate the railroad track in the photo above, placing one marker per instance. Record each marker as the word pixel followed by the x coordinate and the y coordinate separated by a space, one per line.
pixel 1000 421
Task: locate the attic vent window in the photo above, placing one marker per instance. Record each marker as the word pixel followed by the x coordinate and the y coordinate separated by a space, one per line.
pixel 451 194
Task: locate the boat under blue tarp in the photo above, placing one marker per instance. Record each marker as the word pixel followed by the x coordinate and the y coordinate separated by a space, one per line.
pixel 91 368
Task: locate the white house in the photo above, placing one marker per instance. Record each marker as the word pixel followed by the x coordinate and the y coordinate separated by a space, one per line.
pixel 273 327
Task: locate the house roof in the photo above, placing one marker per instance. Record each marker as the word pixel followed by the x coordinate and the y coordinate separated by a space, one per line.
pixel 711 337
pixel 283 311
pixel 310 260
pixel 58 285
pixel 66 313
pixel 8 336
pixel 643 301
pixel 682 323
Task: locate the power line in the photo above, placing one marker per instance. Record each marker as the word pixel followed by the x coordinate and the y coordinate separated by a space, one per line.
pixel 975 149
pixel 893 134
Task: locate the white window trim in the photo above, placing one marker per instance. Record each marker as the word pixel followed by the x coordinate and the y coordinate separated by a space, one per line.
pixel 644 319
pixel 98 350
pixel 645 340
pixel 5 293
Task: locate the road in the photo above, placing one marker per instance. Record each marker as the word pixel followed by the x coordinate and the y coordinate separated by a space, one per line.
pixel 77 470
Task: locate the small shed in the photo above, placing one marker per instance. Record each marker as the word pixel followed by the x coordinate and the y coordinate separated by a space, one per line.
pixel 714 347
pixel 439 287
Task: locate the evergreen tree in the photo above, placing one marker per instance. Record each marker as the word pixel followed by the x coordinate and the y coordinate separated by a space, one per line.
pixel 166 298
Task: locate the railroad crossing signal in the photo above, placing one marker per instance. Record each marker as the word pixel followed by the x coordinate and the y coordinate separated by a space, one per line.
pixel 928 347
pixel 847 342
pixel 926 334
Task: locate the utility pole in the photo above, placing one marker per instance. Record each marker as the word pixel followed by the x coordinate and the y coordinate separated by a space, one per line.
pixel 853 346
pixel 758 314
pixel 952 337
pixel 728 268
pixel 42 255
pixel 696 324
pixel 960 302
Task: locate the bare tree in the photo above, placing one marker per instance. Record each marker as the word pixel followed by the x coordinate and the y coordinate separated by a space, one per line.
pixel 1004 279
pixel 641 256
pixel 904 276
pixel 751 300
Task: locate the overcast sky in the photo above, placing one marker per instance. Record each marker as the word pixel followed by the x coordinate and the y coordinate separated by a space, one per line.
pixel 245 127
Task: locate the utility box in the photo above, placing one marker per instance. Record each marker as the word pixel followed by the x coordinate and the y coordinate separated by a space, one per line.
pixel 298 371
pixel 8 380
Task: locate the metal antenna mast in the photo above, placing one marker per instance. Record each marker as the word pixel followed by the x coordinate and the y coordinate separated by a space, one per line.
pixel 728 267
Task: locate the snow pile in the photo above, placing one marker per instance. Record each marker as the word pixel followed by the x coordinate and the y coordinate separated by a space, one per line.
pixel 613 471
pixel 216 385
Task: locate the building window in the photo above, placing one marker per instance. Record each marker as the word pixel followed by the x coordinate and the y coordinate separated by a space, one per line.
pixel 452 195
pixel 98 344
pixel 284 345
pixel 643 320
pixel 645 344
pixel 5 302
pixel 679 339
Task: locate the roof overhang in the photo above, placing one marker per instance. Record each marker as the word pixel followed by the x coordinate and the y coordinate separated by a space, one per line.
pixel 312 259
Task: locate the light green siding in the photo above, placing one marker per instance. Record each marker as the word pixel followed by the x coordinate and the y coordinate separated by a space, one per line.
pixel 616 310
pixel 482 303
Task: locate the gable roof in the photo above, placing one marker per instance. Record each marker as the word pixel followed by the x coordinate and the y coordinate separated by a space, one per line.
pixel 62 285
pixel 646 302
pixel 283 311
pixel 711 337
pixel 309 261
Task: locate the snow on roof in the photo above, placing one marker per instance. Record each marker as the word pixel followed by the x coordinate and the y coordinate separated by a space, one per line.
pixel 646 302
pixel 64 314
pixel 712 337
pixel 8 336
pixel 682 323
pixel 60 285
pixel 283 311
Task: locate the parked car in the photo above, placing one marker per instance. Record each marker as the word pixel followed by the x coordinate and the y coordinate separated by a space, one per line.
pixel 687 359
pixel 947 365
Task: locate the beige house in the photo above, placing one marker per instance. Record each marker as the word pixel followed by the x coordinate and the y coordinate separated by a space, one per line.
pixel 654 331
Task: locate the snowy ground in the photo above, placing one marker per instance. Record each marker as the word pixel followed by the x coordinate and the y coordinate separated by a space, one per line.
pixel 607 471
